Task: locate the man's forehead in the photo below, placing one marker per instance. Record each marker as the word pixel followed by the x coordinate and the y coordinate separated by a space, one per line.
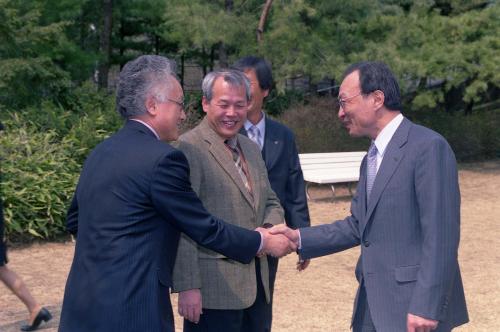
pixel 350 83
pixel 225 90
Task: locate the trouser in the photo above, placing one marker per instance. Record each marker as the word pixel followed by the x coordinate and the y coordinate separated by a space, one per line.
pixel 251 319
pixel 363 319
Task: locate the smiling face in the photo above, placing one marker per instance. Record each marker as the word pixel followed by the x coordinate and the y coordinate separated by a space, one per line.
pixel 359 112
pixel 227 110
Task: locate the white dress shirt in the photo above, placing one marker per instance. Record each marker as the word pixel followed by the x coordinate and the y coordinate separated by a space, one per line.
pixel 385 136
pixel 261 125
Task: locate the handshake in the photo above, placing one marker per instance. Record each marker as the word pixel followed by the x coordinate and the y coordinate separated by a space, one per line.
pixel 278 241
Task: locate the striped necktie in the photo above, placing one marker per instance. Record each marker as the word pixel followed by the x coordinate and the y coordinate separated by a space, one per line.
pixel 232 145
pixel 371 171
pixel 254 135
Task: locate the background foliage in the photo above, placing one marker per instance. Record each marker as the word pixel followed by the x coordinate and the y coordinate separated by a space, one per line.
pixel 59 58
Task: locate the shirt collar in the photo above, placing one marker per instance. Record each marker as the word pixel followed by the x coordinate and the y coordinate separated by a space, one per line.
pixel 384 137
pixel 150 128
pixel 261 125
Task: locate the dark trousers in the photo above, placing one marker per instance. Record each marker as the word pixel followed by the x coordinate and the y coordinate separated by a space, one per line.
pixel 363 319
pixel 251 319
pixel 268 311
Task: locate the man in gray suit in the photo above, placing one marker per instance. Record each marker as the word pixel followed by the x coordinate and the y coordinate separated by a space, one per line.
pixel 229 176
pixel 405 214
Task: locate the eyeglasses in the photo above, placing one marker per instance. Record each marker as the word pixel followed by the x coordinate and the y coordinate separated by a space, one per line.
pixel 343 101
pixel 181 103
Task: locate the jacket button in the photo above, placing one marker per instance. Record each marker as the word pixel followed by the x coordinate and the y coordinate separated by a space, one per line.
pixel 367 243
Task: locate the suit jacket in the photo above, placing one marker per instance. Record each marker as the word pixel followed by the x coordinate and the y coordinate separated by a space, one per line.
pixel 285 175
pixel 132 201
pixel 224 283
pixel 409 233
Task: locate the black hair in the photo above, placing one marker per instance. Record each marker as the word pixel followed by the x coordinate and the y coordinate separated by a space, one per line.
pixel 261 67
pixel 377 76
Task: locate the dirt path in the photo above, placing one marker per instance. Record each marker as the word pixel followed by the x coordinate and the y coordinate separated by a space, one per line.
pixel 320 298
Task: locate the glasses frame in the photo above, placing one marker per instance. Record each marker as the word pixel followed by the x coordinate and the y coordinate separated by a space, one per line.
pixel 342 101
pixel 181 104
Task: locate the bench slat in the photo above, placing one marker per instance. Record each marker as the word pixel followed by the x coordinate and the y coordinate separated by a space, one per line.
pixel 331 167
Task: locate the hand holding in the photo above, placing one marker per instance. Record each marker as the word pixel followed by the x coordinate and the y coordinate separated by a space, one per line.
pixel 276 245
pixel 420 324
pixel 190 305
pixel 291 234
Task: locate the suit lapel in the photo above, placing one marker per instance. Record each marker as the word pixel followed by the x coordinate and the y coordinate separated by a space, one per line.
pixel 272 145
pixel 252 168
pixel 392 158
pixel 221 154
pixel 361 188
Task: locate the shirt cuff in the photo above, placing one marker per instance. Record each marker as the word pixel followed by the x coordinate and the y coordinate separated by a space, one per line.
pixel 261 242
pixel 299 246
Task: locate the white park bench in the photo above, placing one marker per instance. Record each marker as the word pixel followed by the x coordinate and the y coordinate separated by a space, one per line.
pixel 331 168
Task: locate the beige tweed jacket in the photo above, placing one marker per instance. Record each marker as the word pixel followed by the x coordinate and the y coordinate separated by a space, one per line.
pixel 224 283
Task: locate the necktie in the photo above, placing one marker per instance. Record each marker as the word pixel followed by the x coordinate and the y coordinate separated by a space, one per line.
pixel 233 147
pixel 254 135
pixel 371 171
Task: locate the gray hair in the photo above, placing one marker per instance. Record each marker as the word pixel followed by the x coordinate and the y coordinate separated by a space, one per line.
pixel 145 76
pixel 234 77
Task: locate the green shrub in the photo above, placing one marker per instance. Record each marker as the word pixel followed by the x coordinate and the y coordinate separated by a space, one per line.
pixel 38 180
pixel 42 150
pixel 318 129
pixel 472 137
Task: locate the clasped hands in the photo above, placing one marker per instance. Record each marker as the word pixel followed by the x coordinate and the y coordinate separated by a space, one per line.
pixel 279 240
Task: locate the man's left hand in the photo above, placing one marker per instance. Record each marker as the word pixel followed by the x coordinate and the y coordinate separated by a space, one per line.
pixel 303 264
pixel 420 324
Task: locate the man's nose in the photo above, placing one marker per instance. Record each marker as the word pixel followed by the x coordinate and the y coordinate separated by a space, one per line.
pixel 341 112
pixel 231 110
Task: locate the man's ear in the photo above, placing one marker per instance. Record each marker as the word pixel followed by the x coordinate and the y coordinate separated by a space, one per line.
pixel 205 104
pixel 378 99
pixel 151 105
pixel 266 93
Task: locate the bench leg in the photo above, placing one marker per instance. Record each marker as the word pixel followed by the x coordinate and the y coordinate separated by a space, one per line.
pixel 333 190
pixel 350 188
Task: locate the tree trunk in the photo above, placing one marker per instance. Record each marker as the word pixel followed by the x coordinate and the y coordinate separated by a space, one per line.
pixel 105 43
pixel 262 21
pixel 204 61
pixel 223 59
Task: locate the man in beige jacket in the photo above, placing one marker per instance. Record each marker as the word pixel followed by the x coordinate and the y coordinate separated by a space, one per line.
pixel 230 177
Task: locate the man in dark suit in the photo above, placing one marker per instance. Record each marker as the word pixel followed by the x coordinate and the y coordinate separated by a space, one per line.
pixel 405 214
pixel 131 203
pixel 279 151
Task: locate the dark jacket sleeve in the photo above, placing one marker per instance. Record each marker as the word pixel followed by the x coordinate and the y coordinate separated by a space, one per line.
pixel 295 205
pixel 174 198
